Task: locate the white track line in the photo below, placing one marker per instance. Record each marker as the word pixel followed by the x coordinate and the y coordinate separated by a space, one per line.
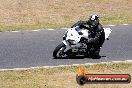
pixel 50 29
pixel 105 62
pixel 116 61
pixel 125 24
pixel 75 65
pixel 35 30
pixel 65 28
pixel 111 25
pixel 67 65
pixel 128 60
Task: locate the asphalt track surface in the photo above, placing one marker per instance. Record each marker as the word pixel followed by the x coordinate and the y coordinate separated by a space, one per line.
pixel 31 49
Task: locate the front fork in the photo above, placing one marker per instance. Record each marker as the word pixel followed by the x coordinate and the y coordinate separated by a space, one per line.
pixel 67 45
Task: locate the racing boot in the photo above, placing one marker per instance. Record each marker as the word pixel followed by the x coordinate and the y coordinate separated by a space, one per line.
pixel 96 54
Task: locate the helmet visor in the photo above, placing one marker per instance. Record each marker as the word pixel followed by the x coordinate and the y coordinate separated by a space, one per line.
pixel 94 22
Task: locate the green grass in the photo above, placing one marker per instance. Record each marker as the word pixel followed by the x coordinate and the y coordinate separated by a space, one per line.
pixel 22 27
pixel 25 27
pixel 61 77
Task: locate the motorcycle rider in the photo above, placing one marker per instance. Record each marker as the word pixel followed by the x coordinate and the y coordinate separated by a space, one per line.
pixel 97 34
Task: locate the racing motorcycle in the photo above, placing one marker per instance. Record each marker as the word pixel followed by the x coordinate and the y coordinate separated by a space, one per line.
pixel 73 43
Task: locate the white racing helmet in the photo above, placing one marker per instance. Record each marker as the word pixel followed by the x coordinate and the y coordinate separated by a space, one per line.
pixel 94 20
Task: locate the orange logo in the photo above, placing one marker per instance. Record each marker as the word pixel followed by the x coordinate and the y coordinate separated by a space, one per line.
pixel 83 78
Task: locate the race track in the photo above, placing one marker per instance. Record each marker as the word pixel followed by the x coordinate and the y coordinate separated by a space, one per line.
pixel 34 48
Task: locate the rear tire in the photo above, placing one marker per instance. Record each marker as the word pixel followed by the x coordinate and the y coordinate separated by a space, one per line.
pixel 57 49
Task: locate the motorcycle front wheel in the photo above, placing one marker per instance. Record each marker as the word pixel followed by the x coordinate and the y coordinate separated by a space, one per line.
pixel 58 52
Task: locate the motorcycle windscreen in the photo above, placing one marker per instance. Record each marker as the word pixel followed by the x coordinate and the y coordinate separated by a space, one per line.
pixel 73 35
pixel 107 32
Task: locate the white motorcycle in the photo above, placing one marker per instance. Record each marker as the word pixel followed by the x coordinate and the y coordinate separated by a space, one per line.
pixel 72 44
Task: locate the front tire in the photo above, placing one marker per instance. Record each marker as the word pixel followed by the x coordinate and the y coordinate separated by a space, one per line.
pixel 58 52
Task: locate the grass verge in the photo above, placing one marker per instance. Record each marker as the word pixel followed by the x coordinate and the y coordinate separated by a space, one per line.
pixel 61 77
pixel 33 14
